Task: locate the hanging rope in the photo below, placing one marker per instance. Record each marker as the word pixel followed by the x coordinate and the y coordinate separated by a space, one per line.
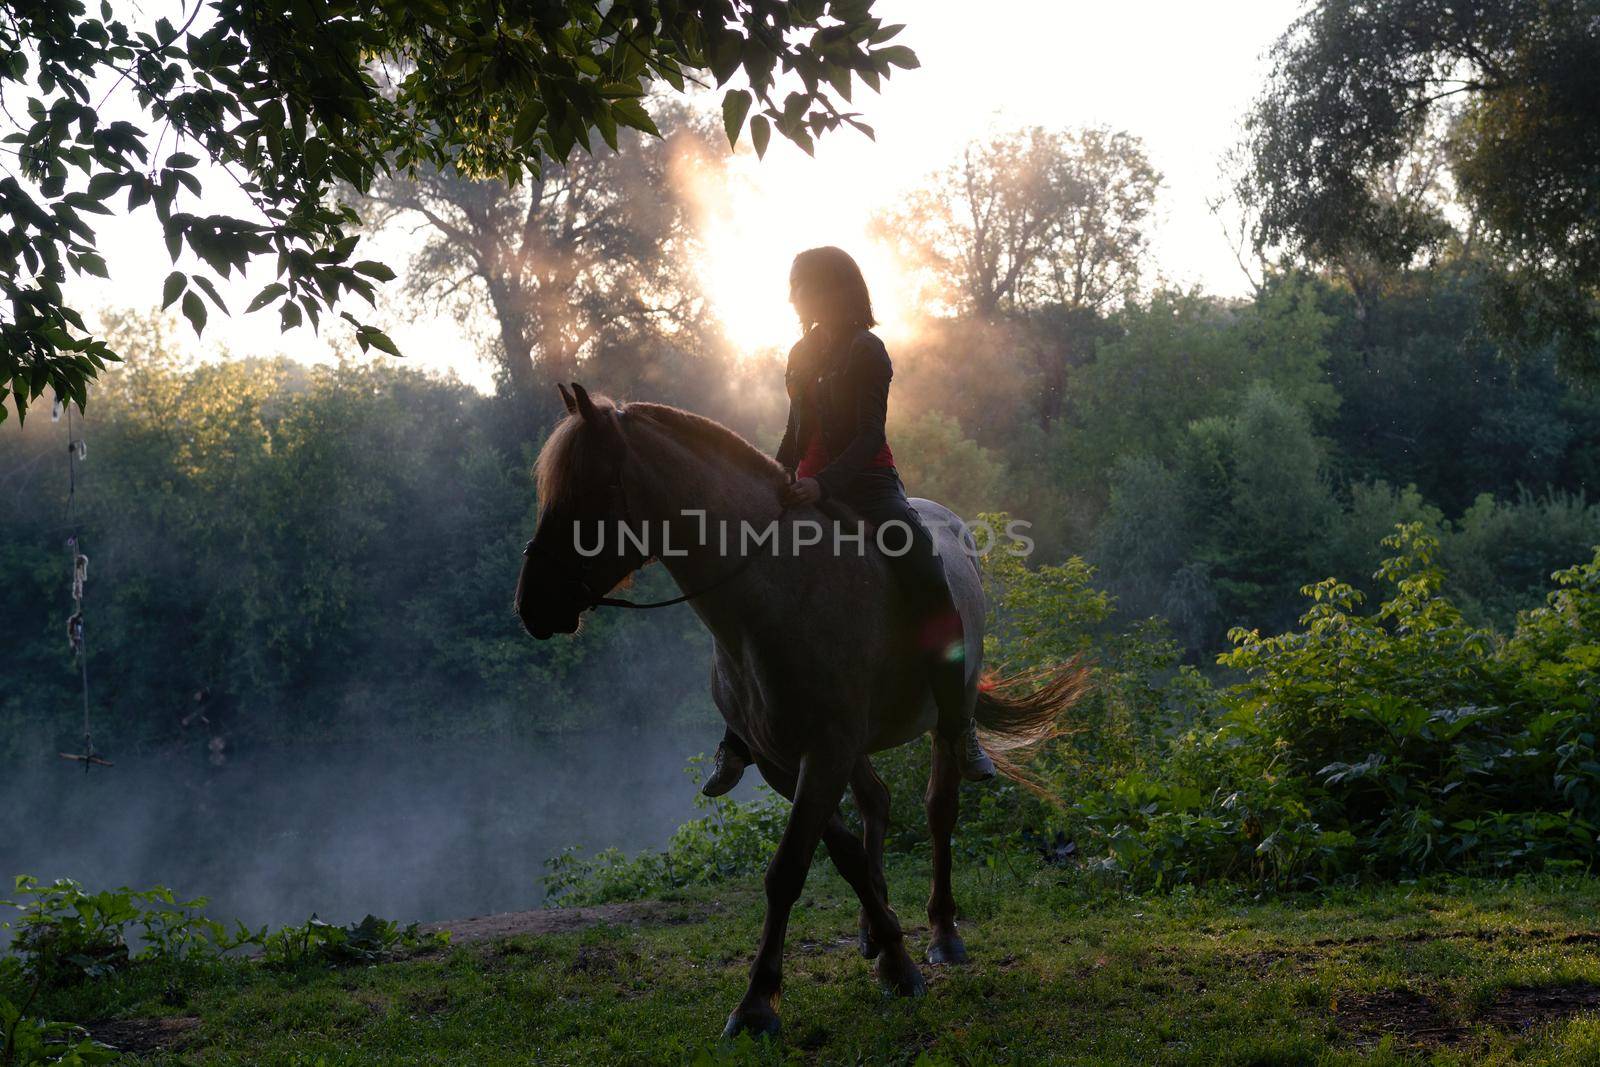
pixel 77 450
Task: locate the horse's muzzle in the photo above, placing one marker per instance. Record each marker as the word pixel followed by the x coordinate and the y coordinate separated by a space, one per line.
pixel 543 631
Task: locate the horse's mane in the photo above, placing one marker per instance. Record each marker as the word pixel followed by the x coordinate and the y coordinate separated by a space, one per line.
pixel 566 457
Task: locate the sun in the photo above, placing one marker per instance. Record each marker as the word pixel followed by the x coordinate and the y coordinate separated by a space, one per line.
pixel 752 218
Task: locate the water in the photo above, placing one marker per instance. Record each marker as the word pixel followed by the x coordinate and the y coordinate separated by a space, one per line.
pixel 414 832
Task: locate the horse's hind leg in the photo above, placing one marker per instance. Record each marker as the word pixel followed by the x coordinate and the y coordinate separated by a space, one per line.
pixel 872 801
pixel 942 802
pixel 896 969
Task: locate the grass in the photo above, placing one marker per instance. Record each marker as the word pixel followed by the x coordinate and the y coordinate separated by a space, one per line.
pixel 1063 971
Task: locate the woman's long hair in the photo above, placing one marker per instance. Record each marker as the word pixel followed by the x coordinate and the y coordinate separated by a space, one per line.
pixel 833 273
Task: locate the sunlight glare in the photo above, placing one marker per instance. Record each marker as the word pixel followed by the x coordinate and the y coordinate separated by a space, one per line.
pixel 752 218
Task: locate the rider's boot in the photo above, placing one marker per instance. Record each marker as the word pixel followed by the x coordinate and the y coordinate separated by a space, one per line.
pixel 947 674
pixel 727 767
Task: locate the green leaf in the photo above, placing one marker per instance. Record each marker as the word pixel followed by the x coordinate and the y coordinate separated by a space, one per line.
pixel 735 106
pixel 316 155
pixel 606 123
pixel 181 160
pixel 172 288
pixel 726 53
pixel 760 134
pixel 373 269
pixel 632 113
pixel 527 123
pixel 267 295
pixel 839 78
pixel 380 340
pixel 898 55
pixel 104 184
pixel 194 309
pixel 211 291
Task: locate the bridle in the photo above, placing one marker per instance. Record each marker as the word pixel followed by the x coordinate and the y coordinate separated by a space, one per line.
pixel 597 599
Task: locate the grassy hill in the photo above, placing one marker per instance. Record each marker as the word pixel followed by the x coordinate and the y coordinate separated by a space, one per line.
pixel 1064 971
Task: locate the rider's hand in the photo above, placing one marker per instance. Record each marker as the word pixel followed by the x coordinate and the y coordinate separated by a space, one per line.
pixel 803 491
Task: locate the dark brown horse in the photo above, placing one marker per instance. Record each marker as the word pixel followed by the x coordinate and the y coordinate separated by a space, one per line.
pixel 815 661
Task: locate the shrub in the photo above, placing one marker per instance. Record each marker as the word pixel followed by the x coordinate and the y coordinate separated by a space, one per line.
pixel 26 1041
pixel 1394 742
pixel 372 940
pixel 66 934
pixel 1501 552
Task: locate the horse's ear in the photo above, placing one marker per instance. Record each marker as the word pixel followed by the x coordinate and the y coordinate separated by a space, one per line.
pixel 585 405
pixel 568 399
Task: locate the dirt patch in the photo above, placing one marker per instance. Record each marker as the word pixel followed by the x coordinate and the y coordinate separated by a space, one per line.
pixel 1415 1019
pixel 808 946
pixel 144 1035
pixel 1262 961
pixel 565 920
pixel 601 961
pixel 1418 936
pixel 427 1002
pixel 1410 1018
pixel 1524 1007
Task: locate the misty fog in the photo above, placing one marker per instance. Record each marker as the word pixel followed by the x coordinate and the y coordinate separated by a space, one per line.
pixel 407 831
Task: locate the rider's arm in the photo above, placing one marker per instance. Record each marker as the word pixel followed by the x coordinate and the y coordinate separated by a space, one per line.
pixel 786 451
pixel 788 455
pixel 869 372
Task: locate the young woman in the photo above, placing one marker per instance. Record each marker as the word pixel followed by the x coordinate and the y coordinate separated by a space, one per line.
pixel 835 447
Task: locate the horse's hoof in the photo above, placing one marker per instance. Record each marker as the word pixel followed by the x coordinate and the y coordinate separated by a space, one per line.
pixel 947 950
pixel 756 1024
pixel 902 979
pixel 869 948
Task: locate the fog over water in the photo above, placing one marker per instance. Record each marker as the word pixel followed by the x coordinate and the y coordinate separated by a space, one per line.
pixel 409 832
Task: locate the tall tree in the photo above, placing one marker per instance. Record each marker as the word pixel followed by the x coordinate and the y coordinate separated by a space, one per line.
pixel 1033 218
pixel 1049 224
pixel 1356 86
pixel 291 99
pixel 588 251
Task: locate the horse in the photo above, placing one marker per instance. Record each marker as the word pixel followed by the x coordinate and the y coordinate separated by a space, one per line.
pixel 815 664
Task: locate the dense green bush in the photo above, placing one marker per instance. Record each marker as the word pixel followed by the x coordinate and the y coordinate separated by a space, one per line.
pixel 1500 553
pixel 65 933
pixel 1393 742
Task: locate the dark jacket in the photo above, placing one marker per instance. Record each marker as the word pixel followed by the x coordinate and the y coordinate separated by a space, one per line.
pixel 850 375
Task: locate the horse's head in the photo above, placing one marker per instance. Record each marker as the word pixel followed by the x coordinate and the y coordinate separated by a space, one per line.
pixel 576 556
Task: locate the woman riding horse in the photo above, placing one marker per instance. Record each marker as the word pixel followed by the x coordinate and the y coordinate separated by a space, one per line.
pixel 835 448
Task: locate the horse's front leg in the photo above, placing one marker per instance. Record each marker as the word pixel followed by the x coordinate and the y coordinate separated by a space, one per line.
pixel 818 789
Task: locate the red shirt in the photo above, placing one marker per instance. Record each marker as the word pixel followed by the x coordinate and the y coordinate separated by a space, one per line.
pixel 817 457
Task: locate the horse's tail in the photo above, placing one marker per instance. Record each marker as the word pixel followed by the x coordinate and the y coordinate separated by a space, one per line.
pixel 1021 711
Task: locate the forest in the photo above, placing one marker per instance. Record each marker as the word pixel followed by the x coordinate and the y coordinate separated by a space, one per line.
pixel 323 541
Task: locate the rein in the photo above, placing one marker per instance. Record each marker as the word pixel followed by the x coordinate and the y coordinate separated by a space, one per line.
pixel 682 598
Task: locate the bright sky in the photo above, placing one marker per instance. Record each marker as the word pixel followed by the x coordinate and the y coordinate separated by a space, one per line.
pixel 1176 73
